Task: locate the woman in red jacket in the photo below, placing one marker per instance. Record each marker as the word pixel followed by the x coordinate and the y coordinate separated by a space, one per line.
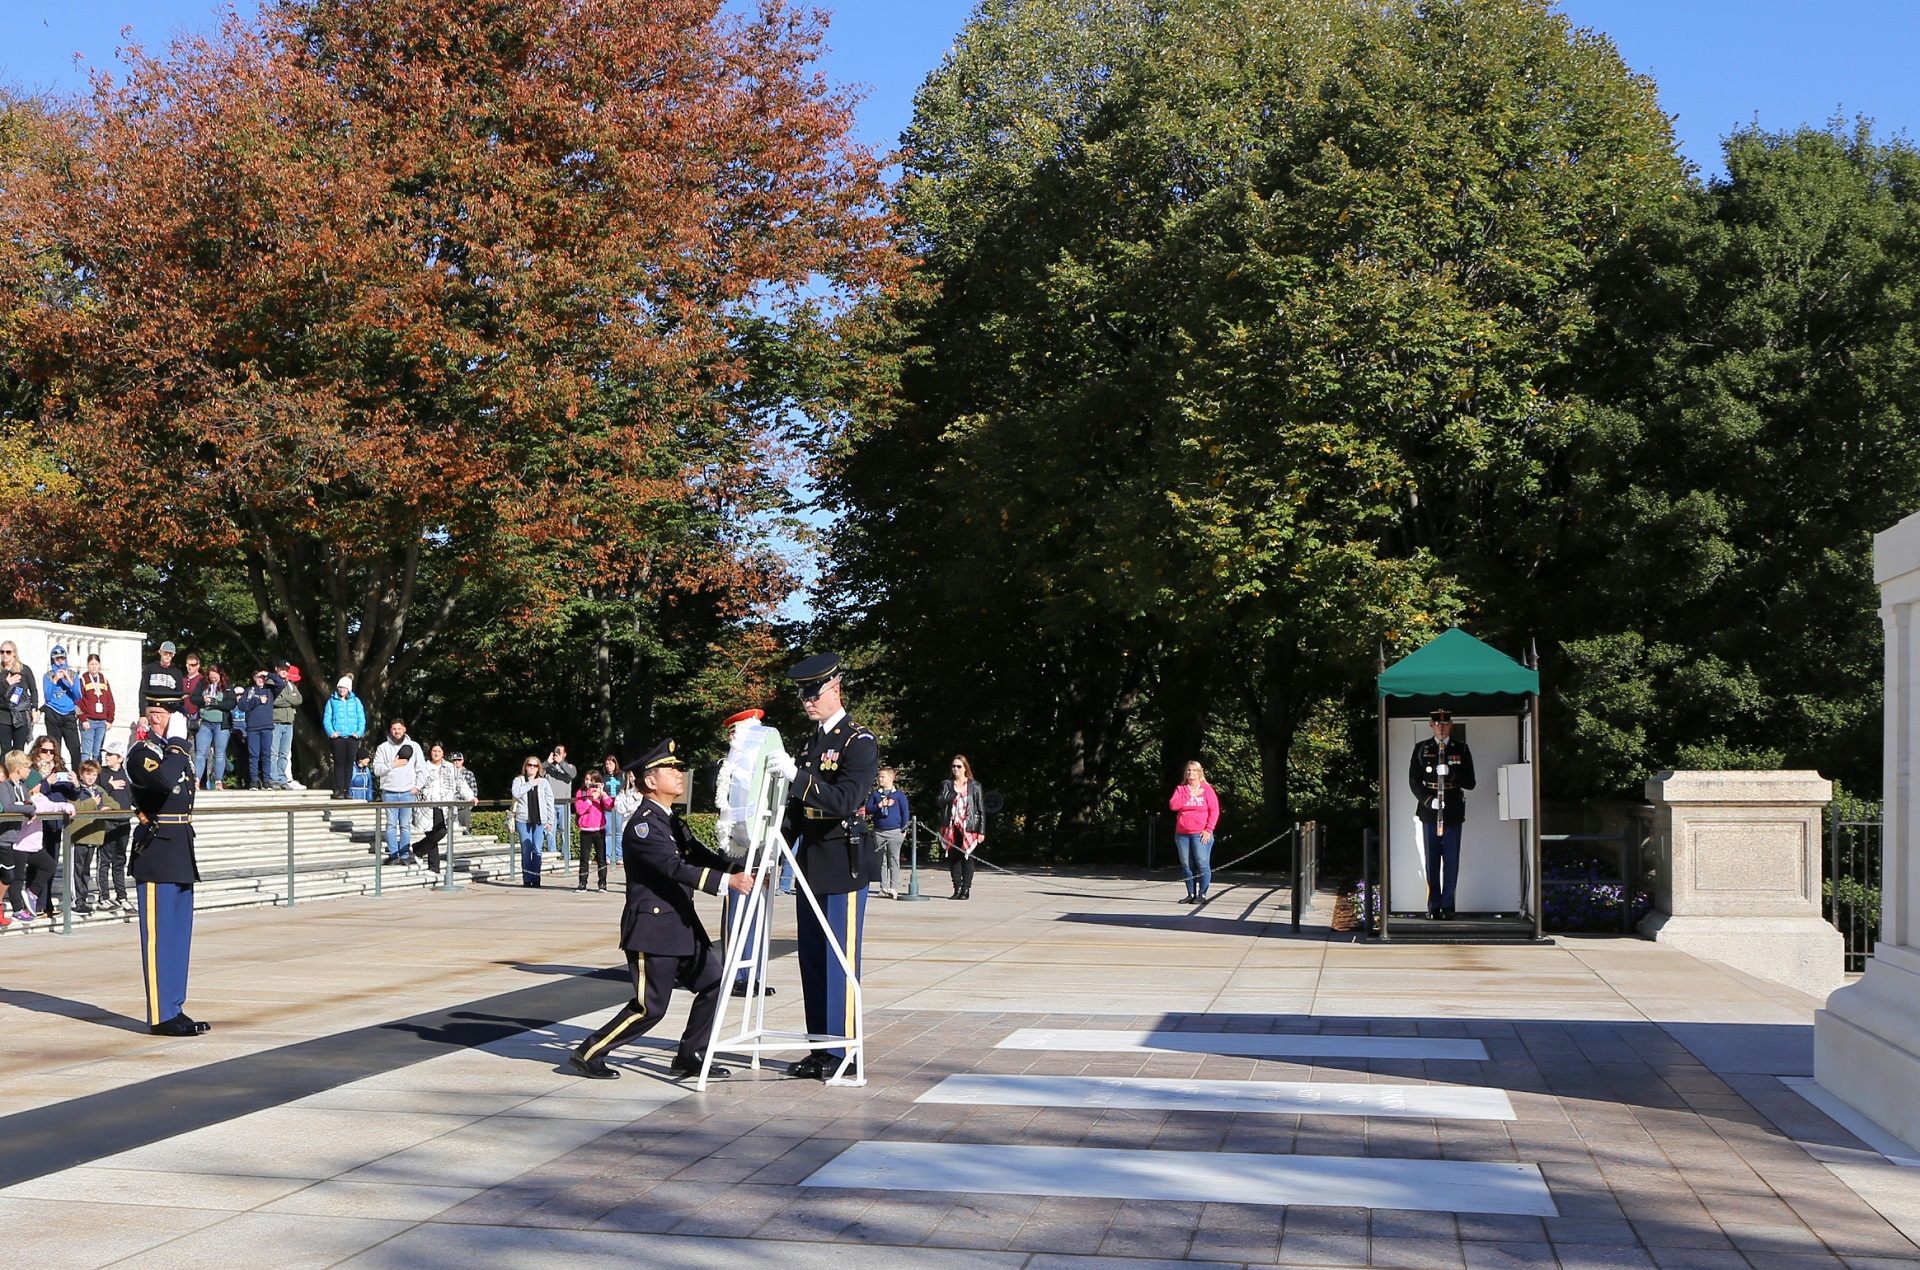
pixel 1196 810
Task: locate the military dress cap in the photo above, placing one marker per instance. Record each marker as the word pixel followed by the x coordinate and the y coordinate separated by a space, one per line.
pixel 814 674
pixel 1441 716
pixel 661 755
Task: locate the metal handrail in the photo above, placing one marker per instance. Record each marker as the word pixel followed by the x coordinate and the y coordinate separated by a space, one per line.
pixel 68 821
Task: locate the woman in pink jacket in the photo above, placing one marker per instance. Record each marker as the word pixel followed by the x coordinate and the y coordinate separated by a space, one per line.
pixel 1196 810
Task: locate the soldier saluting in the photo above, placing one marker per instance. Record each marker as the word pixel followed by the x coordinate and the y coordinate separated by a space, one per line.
pixel 1442 770
pixel 160 769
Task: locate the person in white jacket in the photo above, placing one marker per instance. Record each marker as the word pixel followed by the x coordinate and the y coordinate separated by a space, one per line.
pixel 533 813
pixel 397 766
pixel 439 783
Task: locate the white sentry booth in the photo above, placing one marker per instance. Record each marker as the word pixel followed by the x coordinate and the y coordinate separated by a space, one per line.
pixel 1495 702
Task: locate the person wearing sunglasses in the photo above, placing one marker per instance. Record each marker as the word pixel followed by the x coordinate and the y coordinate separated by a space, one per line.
pixel 19 699
pixel 963 823
pixel 831 777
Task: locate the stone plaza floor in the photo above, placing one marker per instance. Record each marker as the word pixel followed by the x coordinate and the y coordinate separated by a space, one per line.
pixel 1066 1071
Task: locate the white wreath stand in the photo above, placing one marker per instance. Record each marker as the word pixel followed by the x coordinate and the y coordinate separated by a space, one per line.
pixel 767 849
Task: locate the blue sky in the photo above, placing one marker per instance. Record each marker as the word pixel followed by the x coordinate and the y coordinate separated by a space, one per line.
pixel 1719 63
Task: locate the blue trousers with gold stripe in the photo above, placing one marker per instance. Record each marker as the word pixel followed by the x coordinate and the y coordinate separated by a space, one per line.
pixel 166 943
pixel 822 982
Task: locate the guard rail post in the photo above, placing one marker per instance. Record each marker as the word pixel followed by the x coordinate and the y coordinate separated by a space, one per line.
pixel 1293 886
pixel 447 848
pixel 382 826
pixel 290 864
pixel 913 865
pixel 66 870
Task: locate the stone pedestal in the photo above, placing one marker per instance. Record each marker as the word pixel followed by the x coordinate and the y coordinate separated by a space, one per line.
pixel 1867 1041
pixel 1737 874
pixel 120 660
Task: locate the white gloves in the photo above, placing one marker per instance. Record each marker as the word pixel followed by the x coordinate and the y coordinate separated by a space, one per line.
pixel 177 726
pixel 781 764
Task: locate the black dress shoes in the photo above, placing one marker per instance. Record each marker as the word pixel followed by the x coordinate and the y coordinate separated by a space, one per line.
pixel 592 1068
pixel 689 1065
pixel 180 1025
pixel 741 989
pixel 812 1067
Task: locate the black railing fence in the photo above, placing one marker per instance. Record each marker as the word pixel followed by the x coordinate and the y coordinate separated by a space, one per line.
pixel 1850 886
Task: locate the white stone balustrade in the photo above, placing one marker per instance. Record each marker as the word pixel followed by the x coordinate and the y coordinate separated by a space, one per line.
pixel 122 653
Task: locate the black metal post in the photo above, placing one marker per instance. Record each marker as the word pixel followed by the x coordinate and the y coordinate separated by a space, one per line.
pixel 1298 849
pixel 66 869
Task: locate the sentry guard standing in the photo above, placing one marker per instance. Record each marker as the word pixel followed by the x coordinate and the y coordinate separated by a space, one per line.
pixel 160 769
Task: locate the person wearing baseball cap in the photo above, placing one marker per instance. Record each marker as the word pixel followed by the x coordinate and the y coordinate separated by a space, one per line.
pixel 162 683
pixel 60 703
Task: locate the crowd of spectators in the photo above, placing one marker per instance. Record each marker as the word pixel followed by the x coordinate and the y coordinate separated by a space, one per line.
pixel 241 735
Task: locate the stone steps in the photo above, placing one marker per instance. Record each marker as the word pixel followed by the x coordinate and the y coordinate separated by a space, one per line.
pixel 243 855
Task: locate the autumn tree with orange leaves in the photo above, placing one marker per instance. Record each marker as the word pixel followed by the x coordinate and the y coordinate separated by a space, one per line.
pixel 391 307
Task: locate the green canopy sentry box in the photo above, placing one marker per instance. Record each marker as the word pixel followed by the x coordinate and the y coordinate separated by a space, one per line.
pixel 1495 702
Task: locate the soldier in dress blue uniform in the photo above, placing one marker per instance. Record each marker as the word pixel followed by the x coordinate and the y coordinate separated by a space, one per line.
pixel 1442 770
pixel 160 769
pixel 835 771
pixel 661 932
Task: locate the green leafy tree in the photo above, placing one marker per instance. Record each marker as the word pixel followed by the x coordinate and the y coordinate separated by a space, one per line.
pixel 1757 371
pixel 1246 342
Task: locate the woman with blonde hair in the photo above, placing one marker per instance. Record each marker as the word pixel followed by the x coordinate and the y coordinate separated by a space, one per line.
pixel 963 823
pixel 1196 811
pixel 533 810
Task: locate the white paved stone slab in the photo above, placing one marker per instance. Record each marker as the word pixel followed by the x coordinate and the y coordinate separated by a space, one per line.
pixel 1268 1097
pixel 1245 1044
pixel 1445 1186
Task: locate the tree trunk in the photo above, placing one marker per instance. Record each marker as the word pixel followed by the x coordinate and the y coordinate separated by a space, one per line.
pixel 1272 705
pixel 1185 695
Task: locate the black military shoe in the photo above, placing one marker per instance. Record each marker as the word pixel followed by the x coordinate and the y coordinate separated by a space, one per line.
pixel 812 1067
pixel 592 1068
pixel 689 1065
pixel 741 989
pixel 180 1025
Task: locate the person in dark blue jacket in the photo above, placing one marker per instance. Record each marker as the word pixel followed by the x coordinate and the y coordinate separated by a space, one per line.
pixel 255 708
pixel 887 816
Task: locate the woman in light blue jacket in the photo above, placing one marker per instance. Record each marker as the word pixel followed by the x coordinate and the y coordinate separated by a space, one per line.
pixel 345 722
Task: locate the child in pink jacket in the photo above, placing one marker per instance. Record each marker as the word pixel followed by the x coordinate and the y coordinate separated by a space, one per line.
pixel 1196 810
pixel 590 807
